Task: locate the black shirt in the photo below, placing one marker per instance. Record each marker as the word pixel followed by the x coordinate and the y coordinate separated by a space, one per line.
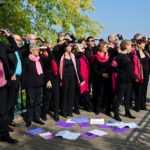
pixel 124 68
pixel 69 70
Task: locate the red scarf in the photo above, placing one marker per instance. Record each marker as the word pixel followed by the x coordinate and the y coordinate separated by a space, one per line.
pixel 101 58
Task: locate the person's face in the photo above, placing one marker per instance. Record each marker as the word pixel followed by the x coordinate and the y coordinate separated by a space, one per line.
pixel 105 48
pixel 17 39
pixel 35 51
pixel 142 46
pixel 62 36
pixel 84 44
pixel 91 42
pixel 112 39
pixel 69 48
pixel 129 48
pixel 81 49
pixel 33 39
pixel 139 37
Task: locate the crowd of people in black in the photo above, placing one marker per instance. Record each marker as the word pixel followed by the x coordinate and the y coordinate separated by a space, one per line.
pixel 89 73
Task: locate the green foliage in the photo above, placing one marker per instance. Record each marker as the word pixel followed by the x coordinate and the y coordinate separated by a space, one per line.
pixel 47 17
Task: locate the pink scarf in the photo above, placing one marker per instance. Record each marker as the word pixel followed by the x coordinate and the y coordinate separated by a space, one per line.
pixel 37 63
pixel 62 66
pixel 101 58
pixel 3 81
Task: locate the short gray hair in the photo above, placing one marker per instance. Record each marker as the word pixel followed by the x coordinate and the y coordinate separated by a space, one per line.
pixel 33 46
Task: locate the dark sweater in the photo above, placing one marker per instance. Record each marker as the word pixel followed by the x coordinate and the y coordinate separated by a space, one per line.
pixel 99 68
pixel 30 78
pixel 124 68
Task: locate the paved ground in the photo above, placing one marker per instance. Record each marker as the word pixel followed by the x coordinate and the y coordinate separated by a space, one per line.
pixel 136 139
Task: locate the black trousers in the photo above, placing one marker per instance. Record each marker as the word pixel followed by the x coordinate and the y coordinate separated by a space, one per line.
pixel 51 94
pixel 108 95
pixel 124 90
pixel 13 95
pixel 33 103
pixel 98 93
pixel 77 98
pixel 141 92
pixel 87 100
pixel 5 118
pixel 68 94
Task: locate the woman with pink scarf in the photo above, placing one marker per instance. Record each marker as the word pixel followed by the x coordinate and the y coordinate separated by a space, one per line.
pixel 100 67
pixel 32 82
pixel 69 76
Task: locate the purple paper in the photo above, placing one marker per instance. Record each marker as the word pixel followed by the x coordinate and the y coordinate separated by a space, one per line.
pixel 120 130
pixel 105 126
pixel 84 125
pixel 88 135
pixel 35 131
pixel 49 136
pixel 60 123
pixel 80 120
pixel 64 124
pixel 67 125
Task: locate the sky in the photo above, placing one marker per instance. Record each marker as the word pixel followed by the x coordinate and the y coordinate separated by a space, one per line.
pixel 126 17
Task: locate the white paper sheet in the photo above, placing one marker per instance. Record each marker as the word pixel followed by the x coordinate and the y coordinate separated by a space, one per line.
pixel 98 132
pixel 97 121
pixel 68 135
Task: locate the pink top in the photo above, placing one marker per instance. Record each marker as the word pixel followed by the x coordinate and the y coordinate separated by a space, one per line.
pixel 3 81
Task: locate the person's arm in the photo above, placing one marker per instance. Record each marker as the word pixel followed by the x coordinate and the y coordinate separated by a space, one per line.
pixel 79 70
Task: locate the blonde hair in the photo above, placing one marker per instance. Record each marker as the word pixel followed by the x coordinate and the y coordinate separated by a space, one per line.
pixel 123 44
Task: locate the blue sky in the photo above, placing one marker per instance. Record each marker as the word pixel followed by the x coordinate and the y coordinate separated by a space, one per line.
pixel 126 17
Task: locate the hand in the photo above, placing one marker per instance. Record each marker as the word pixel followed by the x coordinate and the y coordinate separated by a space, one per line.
pixel 41 39
pixel 23 91
pixel 67 33
pixel 61 43
pixel 97 39
pixel 13 77
pixel 82 83
pixel 136 80
pixel 24 39
pixel 105 75
pixel 4 32
pixel 49 84
pixel 43 48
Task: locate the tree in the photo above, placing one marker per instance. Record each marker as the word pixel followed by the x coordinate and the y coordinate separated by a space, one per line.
pixel 47 17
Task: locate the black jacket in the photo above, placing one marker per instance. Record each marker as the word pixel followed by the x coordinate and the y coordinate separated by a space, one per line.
pixel 5 50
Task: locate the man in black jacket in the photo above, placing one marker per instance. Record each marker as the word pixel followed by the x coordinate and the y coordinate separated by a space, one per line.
pixel 16 71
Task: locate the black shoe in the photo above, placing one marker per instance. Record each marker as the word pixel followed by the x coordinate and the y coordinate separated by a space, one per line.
pixel 64 115
pixel 7 138
pixel 70 115
pixel 137 110
pixel 108 114
pixel 77 112
pixel 56 117
pixel 97 113
pixel 117 118
pixel 14 124
pixel 44 117
pixel 39 122
pixel 28 124
pixel 143 108
pixel 10 129
pixel 129 116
